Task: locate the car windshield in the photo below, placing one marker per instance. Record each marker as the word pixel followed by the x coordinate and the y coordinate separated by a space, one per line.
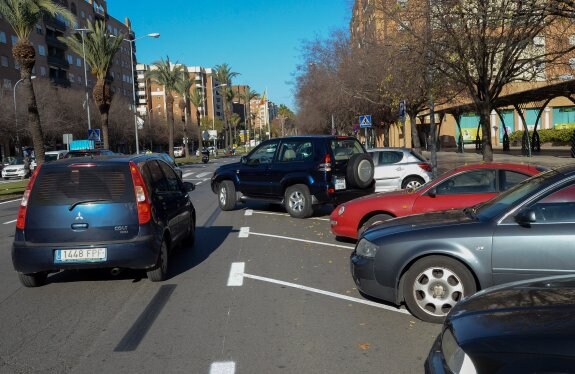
pixel 502 202
pixel 50 157
pixel 15 161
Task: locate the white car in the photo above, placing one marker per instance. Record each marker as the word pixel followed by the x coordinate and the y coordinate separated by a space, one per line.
pixel 399 168
pixel 15 169
pixel 49 156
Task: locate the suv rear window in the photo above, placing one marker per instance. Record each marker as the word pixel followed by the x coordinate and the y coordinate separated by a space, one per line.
pixel 67 185
pixel 343 149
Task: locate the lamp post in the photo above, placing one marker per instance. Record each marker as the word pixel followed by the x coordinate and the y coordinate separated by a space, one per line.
pixel 15 112
pixel 131 41
pixel 214 107
pixel 82 31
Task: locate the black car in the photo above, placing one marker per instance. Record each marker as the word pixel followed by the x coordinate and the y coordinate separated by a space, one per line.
pixel 522 327
pixel 166 157
pixel 105 212
pixel 431 261
pixel 298 172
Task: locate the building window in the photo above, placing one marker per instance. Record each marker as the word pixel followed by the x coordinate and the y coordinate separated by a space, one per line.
pixel 4 61
pixel 14 39
pixel 2 37
pixel 70 59
pixel 7 83
pixel 43 71
pixel 71 77
pixel 39 29
pixel 115 31
pixel 78 61
pixel 82 14
pixel 79 79
pixel 41 50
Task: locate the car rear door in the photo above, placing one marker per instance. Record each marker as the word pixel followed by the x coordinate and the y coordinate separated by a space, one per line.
pixel 181 200
pixel 84 202
pixel 389 170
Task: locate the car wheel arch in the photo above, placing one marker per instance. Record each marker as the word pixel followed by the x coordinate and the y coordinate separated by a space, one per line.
pixel 459 257
pixel 370 215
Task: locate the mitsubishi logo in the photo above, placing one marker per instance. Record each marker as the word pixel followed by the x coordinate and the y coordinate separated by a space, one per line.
pixel 79 216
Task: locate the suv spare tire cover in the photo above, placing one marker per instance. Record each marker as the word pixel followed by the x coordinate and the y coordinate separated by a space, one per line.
pixel 359 172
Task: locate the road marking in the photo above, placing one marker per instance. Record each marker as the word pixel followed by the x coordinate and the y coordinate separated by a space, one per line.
pixel 10 201
pixel 203 175
pixel 250 212
pixel 6 223
pixel 228 367
pixel 187 175
pixel 245 232
pixel 236 277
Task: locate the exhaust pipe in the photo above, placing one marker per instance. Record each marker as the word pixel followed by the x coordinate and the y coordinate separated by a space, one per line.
pixel 115 271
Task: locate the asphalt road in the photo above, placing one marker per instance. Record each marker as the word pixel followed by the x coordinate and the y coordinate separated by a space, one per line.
pixel 260 292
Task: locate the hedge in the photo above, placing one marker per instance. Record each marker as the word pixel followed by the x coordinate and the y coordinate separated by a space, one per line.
pixel 546 135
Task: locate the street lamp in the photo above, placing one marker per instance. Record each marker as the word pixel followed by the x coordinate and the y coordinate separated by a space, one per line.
pixel 82 31
pixel 214 107
pixel 131 41
pixel 15 112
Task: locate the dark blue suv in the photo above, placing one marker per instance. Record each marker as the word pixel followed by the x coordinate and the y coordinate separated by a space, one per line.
pixel 102 212
pixel 298 172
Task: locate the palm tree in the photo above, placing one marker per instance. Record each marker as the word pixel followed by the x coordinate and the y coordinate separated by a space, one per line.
pixel 235 120
pixel 168 75
pixel 224 75
pixel 197 99
pixel 100 48
pixel 183 88
pixel 228 100
pixel 23 15
pixel 247 98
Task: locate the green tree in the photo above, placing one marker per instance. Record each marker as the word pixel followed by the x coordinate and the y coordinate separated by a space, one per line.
pixel 100 48
pixel 224 75
pixel 168 75
pixel 247 97
pixel 197 100
pixel 183 87
pixel 23 15
pixel 235 120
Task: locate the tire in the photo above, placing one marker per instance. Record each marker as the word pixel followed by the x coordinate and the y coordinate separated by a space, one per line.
pixel 371 221
pixel 359 171
pixel 452 282
pixel 297 201
pixel 227 195
pixel 160 272
pixel 412 182
pixel 33 280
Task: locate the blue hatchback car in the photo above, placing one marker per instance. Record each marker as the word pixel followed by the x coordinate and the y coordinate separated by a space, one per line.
pixel 102 212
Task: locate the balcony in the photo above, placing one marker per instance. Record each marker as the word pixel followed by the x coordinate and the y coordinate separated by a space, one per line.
pixel 58 62
pixel 52 41
pixel 55 23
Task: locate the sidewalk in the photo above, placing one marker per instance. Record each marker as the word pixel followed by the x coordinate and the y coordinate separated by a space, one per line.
pixel 549 156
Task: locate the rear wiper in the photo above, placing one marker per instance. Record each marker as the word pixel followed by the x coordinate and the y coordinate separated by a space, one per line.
pixel 86 202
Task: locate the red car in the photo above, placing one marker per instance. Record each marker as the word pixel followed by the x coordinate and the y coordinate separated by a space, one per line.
pixel 459 188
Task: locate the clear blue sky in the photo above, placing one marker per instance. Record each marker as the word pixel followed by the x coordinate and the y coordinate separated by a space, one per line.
pixel 260 39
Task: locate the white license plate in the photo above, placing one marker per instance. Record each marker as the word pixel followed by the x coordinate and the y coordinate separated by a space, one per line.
pixel 80 255
pixel 340 183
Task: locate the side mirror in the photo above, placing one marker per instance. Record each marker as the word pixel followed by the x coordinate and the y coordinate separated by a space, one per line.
pixel 432 192
pixel 526 217
pixel 188 186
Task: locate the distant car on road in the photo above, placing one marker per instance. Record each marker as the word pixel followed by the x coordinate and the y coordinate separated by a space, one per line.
pixel 103 212
pixel 459 188
pixel 297 172
pixel 399 168
pixel 522 327
pixel 431 261
pixel 179 151
pixel 15 168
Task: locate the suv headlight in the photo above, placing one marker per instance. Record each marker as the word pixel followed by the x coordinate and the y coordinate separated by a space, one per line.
pixel 366 248
pixel 456 359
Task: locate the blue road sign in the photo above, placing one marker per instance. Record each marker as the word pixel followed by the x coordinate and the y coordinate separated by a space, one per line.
pixel 402 108
pixel 94 134
pixel 365 121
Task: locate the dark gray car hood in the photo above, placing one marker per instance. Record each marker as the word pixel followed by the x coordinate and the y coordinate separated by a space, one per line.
pixel 420 221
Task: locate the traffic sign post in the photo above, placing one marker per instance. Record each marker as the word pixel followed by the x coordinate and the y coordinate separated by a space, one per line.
pixel 402 116
pixel 94 134
pixel 365 123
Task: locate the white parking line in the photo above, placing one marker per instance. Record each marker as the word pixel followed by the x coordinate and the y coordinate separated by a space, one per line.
pixel 6 223
pixel 250 212
pixel 236 277
pixel 245 232
pixel 187 175
pixel 227 367
pixel 202 175
pixel 237 274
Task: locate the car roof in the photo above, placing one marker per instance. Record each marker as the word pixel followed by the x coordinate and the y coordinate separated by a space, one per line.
pixel 107 159
pixel 499 165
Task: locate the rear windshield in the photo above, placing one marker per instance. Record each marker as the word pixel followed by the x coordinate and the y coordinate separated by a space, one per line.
pixel 418 156
pixel 343 149
pixel 71 184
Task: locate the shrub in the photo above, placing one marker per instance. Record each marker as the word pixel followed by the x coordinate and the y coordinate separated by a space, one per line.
pixel 546 135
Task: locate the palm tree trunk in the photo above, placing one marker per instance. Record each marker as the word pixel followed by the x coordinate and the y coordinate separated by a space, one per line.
pixel 101 95
pixel 25 54
pixel 200 144
pixel 170 118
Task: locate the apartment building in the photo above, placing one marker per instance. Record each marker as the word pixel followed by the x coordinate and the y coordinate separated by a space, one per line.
pixel 59 64
pixel 369 23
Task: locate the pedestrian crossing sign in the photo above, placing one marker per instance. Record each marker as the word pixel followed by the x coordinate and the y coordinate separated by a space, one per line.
pixel 94 134
pixel 365 121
